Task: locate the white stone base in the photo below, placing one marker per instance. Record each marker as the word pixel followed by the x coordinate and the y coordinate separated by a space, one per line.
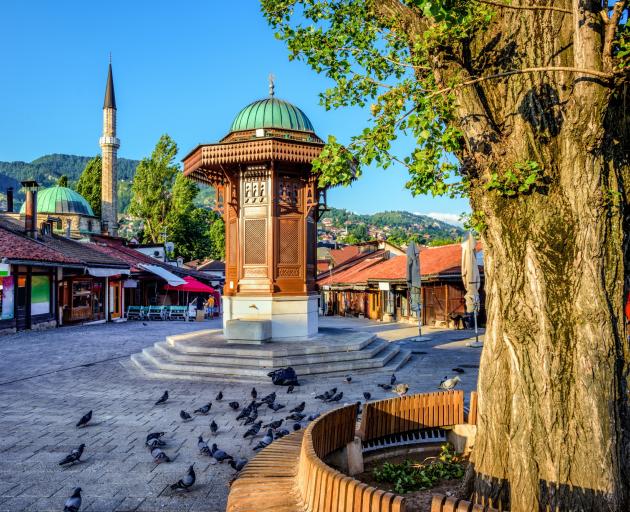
pixel 291 317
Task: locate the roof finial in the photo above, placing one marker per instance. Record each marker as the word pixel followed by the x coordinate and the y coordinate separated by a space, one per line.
pixel 110 57
pixel 271 84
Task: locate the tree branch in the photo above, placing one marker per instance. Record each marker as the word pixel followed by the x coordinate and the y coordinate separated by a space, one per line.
pixel 526 7
pixel 598 74
pixel 611 32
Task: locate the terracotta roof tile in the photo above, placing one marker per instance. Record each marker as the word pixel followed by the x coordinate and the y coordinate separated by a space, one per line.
pixel 14 246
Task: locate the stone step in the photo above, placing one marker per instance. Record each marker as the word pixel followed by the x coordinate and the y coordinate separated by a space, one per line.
pixel 212 342
pixel 245 358
pixel 399 360
pixel 235 366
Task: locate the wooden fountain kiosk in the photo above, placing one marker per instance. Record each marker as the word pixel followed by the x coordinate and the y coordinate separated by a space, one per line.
pixel 269 197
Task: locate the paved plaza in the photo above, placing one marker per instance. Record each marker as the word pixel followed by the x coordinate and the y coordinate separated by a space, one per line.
pixel 49 379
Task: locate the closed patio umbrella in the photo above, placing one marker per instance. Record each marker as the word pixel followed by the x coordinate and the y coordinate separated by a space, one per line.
pixel 471 279
pixel 414 283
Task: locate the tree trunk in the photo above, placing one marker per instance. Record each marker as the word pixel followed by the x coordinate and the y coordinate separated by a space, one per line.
pixel 554 420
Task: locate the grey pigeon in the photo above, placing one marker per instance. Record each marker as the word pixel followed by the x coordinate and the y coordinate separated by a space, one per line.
pixel 275 407
pixel 299 408
pixel 337 397
pixel 296 427
pixel 313 417
pixel 458 370
pixel 269 399
pixel 220 455
pixel 367 395
pixel 265 441
pixel 219 396
pixel 154 435
pixel 159 456
pixel 250 419
pixel 234 405
pixel 448 384
pixel 155 443
pixel 254 393
pixel 290 389
pixel 255 428
pixel 327 394
pixel 237 465
pixel 73 456
pixel 203 447
pixel 386 387
pixel 348 379
pixel 85 419
pixel 296 416
pixel 392 381
pixel 204 410
pixel 281 433
pixel 187 481
pixel 73 503
pixel 274 424
pixel 163 398
pixel 185 416
pixel 213 427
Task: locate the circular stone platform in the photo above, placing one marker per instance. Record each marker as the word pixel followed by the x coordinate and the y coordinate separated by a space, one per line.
pixel 206 355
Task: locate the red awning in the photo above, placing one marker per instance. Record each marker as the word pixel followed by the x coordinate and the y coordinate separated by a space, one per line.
pixel 192 285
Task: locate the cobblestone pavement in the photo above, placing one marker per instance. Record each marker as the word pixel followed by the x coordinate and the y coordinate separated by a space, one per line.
pixel 49 379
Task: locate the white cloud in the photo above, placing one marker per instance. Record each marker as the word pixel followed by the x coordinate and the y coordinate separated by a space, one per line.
pixel 449 218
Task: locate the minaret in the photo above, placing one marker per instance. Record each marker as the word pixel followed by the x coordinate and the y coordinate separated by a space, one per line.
pixel 109 145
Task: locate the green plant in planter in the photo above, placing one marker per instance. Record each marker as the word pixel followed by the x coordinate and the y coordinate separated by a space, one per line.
pixel 410 476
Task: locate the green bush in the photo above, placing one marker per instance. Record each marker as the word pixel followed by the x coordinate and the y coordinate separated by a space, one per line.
pixel 412 476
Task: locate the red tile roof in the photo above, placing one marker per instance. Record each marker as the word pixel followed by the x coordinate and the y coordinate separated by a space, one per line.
pixel 340 256
pixel 434 261
pixel 14 246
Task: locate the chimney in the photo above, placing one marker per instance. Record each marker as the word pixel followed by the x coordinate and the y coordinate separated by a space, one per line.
pixel 30 222
pixel 10 199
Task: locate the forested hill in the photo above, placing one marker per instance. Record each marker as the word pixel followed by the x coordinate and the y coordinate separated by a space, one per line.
pixel 396 226
pixel 47 169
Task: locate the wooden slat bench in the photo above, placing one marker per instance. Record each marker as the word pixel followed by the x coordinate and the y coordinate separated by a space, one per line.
pixel 441 503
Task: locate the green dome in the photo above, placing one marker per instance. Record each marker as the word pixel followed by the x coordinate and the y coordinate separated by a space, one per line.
pixel 61 200
pixel 271 113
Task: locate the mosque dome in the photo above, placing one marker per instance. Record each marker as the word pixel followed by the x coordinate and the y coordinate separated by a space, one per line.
pixel 272 113
pixel 61 200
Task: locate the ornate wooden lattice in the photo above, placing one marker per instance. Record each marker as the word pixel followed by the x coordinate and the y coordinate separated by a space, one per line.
pixel 289 242
pixel 255 242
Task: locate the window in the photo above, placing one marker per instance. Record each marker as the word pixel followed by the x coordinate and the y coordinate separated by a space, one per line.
pixel 6 298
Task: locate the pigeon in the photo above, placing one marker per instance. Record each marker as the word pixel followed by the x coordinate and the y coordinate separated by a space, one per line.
pixel 155 443
pixel 281 433
pixel 254 393
pixel 185 416
pixel 313 417
pixel 73 503
pixel 219 396
pixel 145 324
pixel 400 389
pixel 220 455
pixel 367 395
pixel 290 389
pixel 163 398
pixel 187 481
pixel 154 435
pixel 214 427
pixel 159 456
pixel 448 384
pixel 203 447
pixel 327 394
pixel 73 456
pixel 458 370
pixel 296 416
pixel 85 419
pixel 269 399
pixel 337 397
pixel 265 441
pixel 299 408
pixel 276 407
pixel 237 465
pixel 348 379
pixel 296 427
pixel 392 381
pixel 254 429
pixel 386 387
pixel 203 410
pixel 234 405
pixel 274 424
pixel 250 419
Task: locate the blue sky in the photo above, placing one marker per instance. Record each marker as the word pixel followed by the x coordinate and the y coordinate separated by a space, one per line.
pixel 182 68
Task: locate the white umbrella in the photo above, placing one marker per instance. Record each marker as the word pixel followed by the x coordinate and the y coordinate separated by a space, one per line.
pixel 471 279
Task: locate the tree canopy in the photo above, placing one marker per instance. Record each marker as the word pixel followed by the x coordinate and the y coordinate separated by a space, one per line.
pixel 89 184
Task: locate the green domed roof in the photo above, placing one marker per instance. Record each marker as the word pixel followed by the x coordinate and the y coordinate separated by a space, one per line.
pixel 61 200
pixel 272 113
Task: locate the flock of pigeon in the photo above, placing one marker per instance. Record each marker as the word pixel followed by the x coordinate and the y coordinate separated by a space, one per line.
pixel 247 416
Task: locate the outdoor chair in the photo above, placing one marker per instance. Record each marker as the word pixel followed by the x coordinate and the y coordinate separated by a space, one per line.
pixel 135 313
pixel 177 312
